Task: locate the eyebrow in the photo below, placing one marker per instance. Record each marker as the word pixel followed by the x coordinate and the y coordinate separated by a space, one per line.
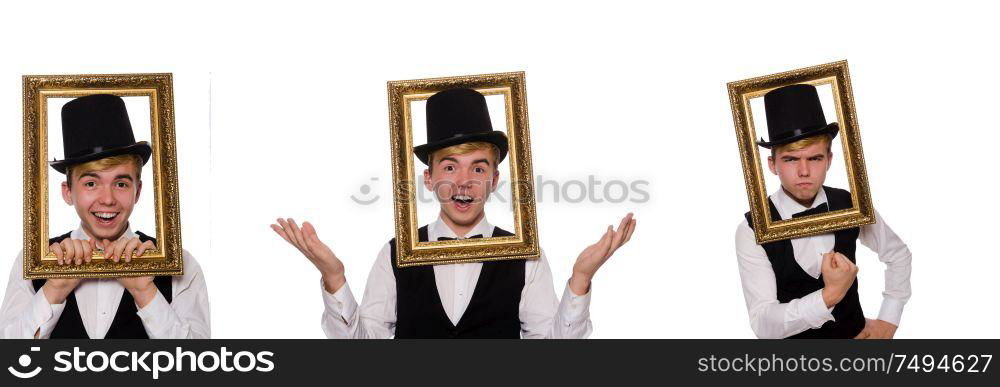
pixel 129 177
pixel 452 159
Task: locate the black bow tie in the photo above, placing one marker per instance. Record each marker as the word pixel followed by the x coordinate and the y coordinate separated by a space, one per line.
pixel 813 211
pixel 451 239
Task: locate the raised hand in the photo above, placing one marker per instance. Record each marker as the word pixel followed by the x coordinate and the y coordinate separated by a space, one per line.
pixel 308 243
pixel 838 276
pixel 595 255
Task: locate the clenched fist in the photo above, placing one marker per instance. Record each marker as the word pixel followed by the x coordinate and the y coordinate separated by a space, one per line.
pixel 838 276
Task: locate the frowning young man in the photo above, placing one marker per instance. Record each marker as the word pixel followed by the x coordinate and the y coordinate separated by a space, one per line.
pixel 496 299
pixel 807 287
pixel 103 168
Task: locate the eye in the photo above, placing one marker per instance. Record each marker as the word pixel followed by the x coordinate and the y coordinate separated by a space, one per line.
pixel 121 184
pixel 479 169
pixel 90 184
pixel 449 168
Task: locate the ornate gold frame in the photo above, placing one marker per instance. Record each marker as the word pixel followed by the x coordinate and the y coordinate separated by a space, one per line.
pixel 167 259
pixel 766 229
pixel 524 244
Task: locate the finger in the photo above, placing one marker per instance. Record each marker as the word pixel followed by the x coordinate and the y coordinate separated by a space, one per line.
pixel 147 245
pixel 296 234
pixel 631 229
pixel 88 251
pixel 281 232
pixel 130 249
pixel 77 252
pixel 58 251
pixel 67 245
pixel 311 238
pixel 605 244
pixel 119 249
pixel 828 262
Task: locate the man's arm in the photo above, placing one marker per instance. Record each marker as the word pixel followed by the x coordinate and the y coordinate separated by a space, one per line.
pixel 26 314
pixel 893 252
pixel 187 315
pixel 769 318
pixel 376 318
pixel 542 315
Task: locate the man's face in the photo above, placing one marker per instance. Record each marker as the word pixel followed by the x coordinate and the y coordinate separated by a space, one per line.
pixel 802 172
pixel 104 199
pixel 462 183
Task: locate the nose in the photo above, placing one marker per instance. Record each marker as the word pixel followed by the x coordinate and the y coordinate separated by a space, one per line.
pixel 803 168
pixel 106 197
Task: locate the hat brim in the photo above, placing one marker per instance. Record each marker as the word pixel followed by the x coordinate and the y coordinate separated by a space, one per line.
pixel 495 137
pixel 141 148
pixel 831 129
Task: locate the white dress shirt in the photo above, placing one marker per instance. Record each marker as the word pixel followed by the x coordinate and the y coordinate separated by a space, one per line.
pixel 542 315
pixel 771 319
pixel 25 312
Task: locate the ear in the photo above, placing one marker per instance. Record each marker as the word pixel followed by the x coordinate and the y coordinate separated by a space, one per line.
pixel 427 180
pixel 496 179
pixel 66 194
pixel 138 189
pixel 771 166
pixel 829 160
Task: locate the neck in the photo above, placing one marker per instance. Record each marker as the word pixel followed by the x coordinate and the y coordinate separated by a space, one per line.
pixel 461 230
pixel 805 203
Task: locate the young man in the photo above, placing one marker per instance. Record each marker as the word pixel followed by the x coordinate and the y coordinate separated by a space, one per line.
pixel 497 299
pixel 103 167
pixel 807 287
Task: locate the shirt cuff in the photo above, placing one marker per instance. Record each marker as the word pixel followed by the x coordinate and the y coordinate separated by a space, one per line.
pixel 891 311
pixel 340 303
pixel 45 315
pixel 574 309
pixel 814 310
pixel 158 317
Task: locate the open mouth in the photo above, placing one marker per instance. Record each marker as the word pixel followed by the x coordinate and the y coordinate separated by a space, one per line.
pixel 105 218
pixel 462 202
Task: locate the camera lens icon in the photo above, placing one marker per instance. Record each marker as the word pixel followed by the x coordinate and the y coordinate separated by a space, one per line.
pixel 25 361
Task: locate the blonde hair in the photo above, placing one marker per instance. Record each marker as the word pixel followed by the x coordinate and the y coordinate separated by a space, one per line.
pixel 463 148
pixel 804 143
pixel 104 164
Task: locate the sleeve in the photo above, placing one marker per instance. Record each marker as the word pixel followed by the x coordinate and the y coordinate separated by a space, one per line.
pixel 187 315
pixel 896 256
pixel 375 318
pixel 26 314
pixel 769 318
pixel 545 317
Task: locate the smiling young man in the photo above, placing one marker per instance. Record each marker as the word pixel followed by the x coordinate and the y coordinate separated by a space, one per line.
pixel 496 299
pixel 103 168
pixel 807 287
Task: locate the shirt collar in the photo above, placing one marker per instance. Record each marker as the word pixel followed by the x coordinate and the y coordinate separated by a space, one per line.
pixel 81 235
pixel 439 229
pixel 788 206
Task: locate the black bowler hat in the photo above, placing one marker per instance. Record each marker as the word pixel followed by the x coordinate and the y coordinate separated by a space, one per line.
pixel 457 116
pixel 95 127
pixel 793 113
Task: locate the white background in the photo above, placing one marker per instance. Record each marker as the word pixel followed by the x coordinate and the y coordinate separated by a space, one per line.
pixel 281 111
pixel 63 217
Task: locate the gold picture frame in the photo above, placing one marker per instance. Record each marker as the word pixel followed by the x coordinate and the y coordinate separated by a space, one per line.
pixel 167 258
pixel 766 229
pixel 524 244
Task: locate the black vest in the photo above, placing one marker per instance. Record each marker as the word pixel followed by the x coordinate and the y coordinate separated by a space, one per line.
pixel 493 311
pixel 126 325
pixel 793 282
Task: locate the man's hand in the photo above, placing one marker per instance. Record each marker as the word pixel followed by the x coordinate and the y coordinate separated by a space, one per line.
pixel 142 289
pixel 877 329
pixel 308 243
pixel 123 248
pixel 598 253
pixel 838 276
pixel 68 252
